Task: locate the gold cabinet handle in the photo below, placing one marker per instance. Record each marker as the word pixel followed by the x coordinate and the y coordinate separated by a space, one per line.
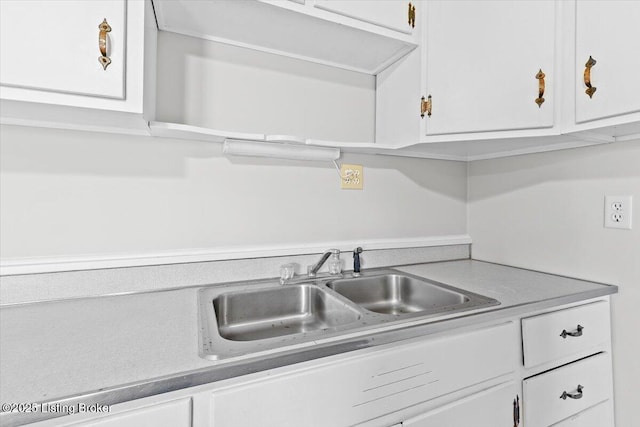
pixel 412 15
pixel 104 28
pixel 540 99
pixel 425 106
pixel 587 77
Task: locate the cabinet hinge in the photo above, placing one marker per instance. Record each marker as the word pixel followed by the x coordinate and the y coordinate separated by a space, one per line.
pixel 412 16
pixel 425 106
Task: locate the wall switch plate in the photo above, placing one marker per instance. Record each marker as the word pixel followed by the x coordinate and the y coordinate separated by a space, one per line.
pixel 618 211
pixel 352 177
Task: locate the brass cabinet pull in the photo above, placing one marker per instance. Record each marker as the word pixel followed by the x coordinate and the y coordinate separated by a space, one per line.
pixel 587 77
pixel 540 76
pixel 104 28
pixel 412 16
pixel 425 106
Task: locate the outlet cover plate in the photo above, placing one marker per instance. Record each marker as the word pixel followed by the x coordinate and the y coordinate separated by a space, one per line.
pixel 352 177
pixel 618 212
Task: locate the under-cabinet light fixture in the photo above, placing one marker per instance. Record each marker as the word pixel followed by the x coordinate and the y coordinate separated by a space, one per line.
pixel 280 150
pixel 237 147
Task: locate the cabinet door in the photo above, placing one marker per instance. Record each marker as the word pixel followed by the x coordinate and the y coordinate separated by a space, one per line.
pixel 370 386
pixel 176 413
pixel 609 32
pixel 54 46
pixel 491 408
pixel 384 13
pixel 482 58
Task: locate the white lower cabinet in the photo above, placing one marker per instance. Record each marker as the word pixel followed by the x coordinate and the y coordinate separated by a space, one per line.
pixel 567 367
pixel 363 388
pixel 173 413
pixel 490 408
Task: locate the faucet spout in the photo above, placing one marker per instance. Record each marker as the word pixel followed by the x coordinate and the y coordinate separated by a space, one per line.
pixel 312 270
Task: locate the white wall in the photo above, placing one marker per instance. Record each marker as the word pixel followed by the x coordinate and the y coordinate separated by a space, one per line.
pixel 545 212
pixel 78 193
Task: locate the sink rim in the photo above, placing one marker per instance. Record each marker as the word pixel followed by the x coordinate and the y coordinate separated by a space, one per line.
pixel 212 346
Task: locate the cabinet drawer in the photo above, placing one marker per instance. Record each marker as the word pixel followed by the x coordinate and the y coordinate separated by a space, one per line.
pixel 600 415
pixel 362 388
pixel 543 394
pixel 585 328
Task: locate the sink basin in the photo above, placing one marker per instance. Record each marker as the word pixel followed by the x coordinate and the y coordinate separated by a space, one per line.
pixel 251 319
pixel 398 294
pixel 285 310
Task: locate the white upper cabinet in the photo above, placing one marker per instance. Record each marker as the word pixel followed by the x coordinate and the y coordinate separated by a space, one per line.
pixel 297 30
pixel 396 15
pixel 482 59
pixel 58 47
pixel 457 80
pixel 77 64
pixel 608 32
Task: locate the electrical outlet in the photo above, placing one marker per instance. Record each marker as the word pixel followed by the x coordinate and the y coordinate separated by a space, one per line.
pixel 352 177
pixel 618 211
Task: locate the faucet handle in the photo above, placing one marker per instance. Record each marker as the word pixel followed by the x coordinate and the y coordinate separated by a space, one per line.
pixel 287 271
pixel 334 263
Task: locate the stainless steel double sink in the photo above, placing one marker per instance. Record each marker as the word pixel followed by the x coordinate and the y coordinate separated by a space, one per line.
pixel 249 318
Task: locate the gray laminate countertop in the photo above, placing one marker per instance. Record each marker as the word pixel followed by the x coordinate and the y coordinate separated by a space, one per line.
pixel 66 348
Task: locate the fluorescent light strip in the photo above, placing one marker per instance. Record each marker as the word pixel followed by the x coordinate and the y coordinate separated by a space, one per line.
pixel 236 147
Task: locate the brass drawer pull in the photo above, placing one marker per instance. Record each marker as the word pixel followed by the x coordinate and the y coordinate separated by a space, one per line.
pixel 104 28
pixel 572 395
pixel 540 76
pixel 576 333
pixel 587 77
pixel 425 106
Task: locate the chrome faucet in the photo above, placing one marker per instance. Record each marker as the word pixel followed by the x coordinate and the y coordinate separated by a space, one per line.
pixel 312 270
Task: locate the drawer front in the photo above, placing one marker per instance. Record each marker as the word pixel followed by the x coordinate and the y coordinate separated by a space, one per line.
pixel 543 394
pixel 571 332
pixel 600 415
pixel 365 387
